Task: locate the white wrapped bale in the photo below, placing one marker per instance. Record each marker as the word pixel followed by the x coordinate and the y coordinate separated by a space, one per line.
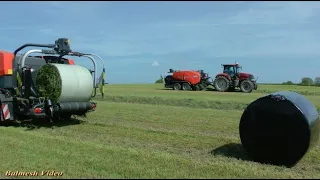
pixel 65 83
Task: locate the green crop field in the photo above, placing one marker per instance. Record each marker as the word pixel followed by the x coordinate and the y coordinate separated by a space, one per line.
pixel 143 131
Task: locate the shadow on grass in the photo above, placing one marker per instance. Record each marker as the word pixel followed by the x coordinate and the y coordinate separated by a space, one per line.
pixel 41 123
pixel 232 150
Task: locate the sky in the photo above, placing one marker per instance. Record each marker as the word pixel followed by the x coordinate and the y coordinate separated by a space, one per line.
pixel 276 41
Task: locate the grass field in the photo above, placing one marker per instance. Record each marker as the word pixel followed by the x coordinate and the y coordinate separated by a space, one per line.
pixel 143 131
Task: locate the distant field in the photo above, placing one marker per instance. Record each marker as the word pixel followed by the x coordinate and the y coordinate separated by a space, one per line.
pixel 143 131
pixel 153 92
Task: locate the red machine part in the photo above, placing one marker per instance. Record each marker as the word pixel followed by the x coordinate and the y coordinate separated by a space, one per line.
pixel 6 59
pixel 5 63
pixel 71 62
pixel 225 75
pixel 193 77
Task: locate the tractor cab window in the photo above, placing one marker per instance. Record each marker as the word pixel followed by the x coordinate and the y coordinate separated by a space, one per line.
pixel 226 69
pixel 238 69
pixel 229 70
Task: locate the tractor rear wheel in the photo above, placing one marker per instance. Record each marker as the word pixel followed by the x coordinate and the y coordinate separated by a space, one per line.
pixel 186 87
pixel 221 84
pixel 176 86
pixel 246 86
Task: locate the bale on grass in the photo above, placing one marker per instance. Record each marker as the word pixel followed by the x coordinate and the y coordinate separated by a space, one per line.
pixel 279 128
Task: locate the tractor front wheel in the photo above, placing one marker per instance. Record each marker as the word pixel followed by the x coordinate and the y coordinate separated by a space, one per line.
pixel 176 86
pixel 246 86
pixel 221 84
pixel 186 87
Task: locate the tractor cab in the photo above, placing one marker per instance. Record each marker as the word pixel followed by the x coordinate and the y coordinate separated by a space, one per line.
pixel 232 69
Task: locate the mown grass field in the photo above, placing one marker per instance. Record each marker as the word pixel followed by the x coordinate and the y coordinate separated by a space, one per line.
pixel 143 131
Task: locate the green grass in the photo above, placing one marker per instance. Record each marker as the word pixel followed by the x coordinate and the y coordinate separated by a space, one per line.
pixel 142 131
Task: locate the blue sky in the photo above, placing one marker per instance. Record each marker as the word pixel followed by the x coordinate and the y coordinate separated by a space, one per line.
pixel 276 41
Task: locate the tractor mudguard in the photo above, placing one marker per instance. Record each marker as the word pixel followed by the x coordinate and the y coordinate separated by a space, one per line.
pixel 224 74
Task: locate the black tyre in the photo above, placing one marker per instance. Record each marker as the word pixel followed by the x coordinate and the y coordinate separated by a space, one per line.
pixel 221 84
pixel 246 86
pixel 177 86
pixel 186 87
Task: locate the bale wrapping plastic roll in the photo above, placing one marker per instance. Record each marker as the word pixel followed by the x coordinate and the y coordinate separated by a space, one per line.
pixel 64 83
pixel 279 128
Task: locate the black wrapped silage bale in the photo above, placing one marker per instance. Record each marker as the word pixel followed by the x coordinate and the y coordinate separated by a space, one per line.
pixel 279 128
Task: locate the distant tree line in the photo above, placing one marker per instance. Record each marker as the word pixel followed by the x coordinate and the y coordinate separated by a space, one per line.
pixel 305 81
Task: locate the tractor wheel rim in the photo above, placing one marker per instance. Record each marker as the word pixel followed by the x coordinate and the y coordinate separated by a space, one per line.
pixel 246 86
pixel 222 84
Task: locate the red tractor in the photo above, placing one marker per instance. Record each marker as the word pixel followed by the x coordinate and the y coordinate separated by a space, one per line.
pixel 232 78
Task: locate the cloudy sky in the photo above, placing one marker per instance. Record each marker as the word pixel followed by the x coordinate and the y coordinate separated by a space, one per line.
pixel 276 41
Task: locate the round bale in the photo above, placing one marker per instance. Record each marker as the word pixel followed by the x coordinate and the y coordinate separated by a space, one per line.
pixel 279 128
pixel 64 83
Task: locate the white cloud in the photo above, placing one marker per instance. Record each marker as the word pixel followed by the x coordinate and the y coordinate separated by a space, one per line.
pixel 155 63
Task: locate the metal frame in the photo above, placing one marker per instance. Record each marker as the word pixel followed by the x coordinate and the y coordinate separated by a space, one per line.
pixel 103 69
pixel 22 59
pixel 21 62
